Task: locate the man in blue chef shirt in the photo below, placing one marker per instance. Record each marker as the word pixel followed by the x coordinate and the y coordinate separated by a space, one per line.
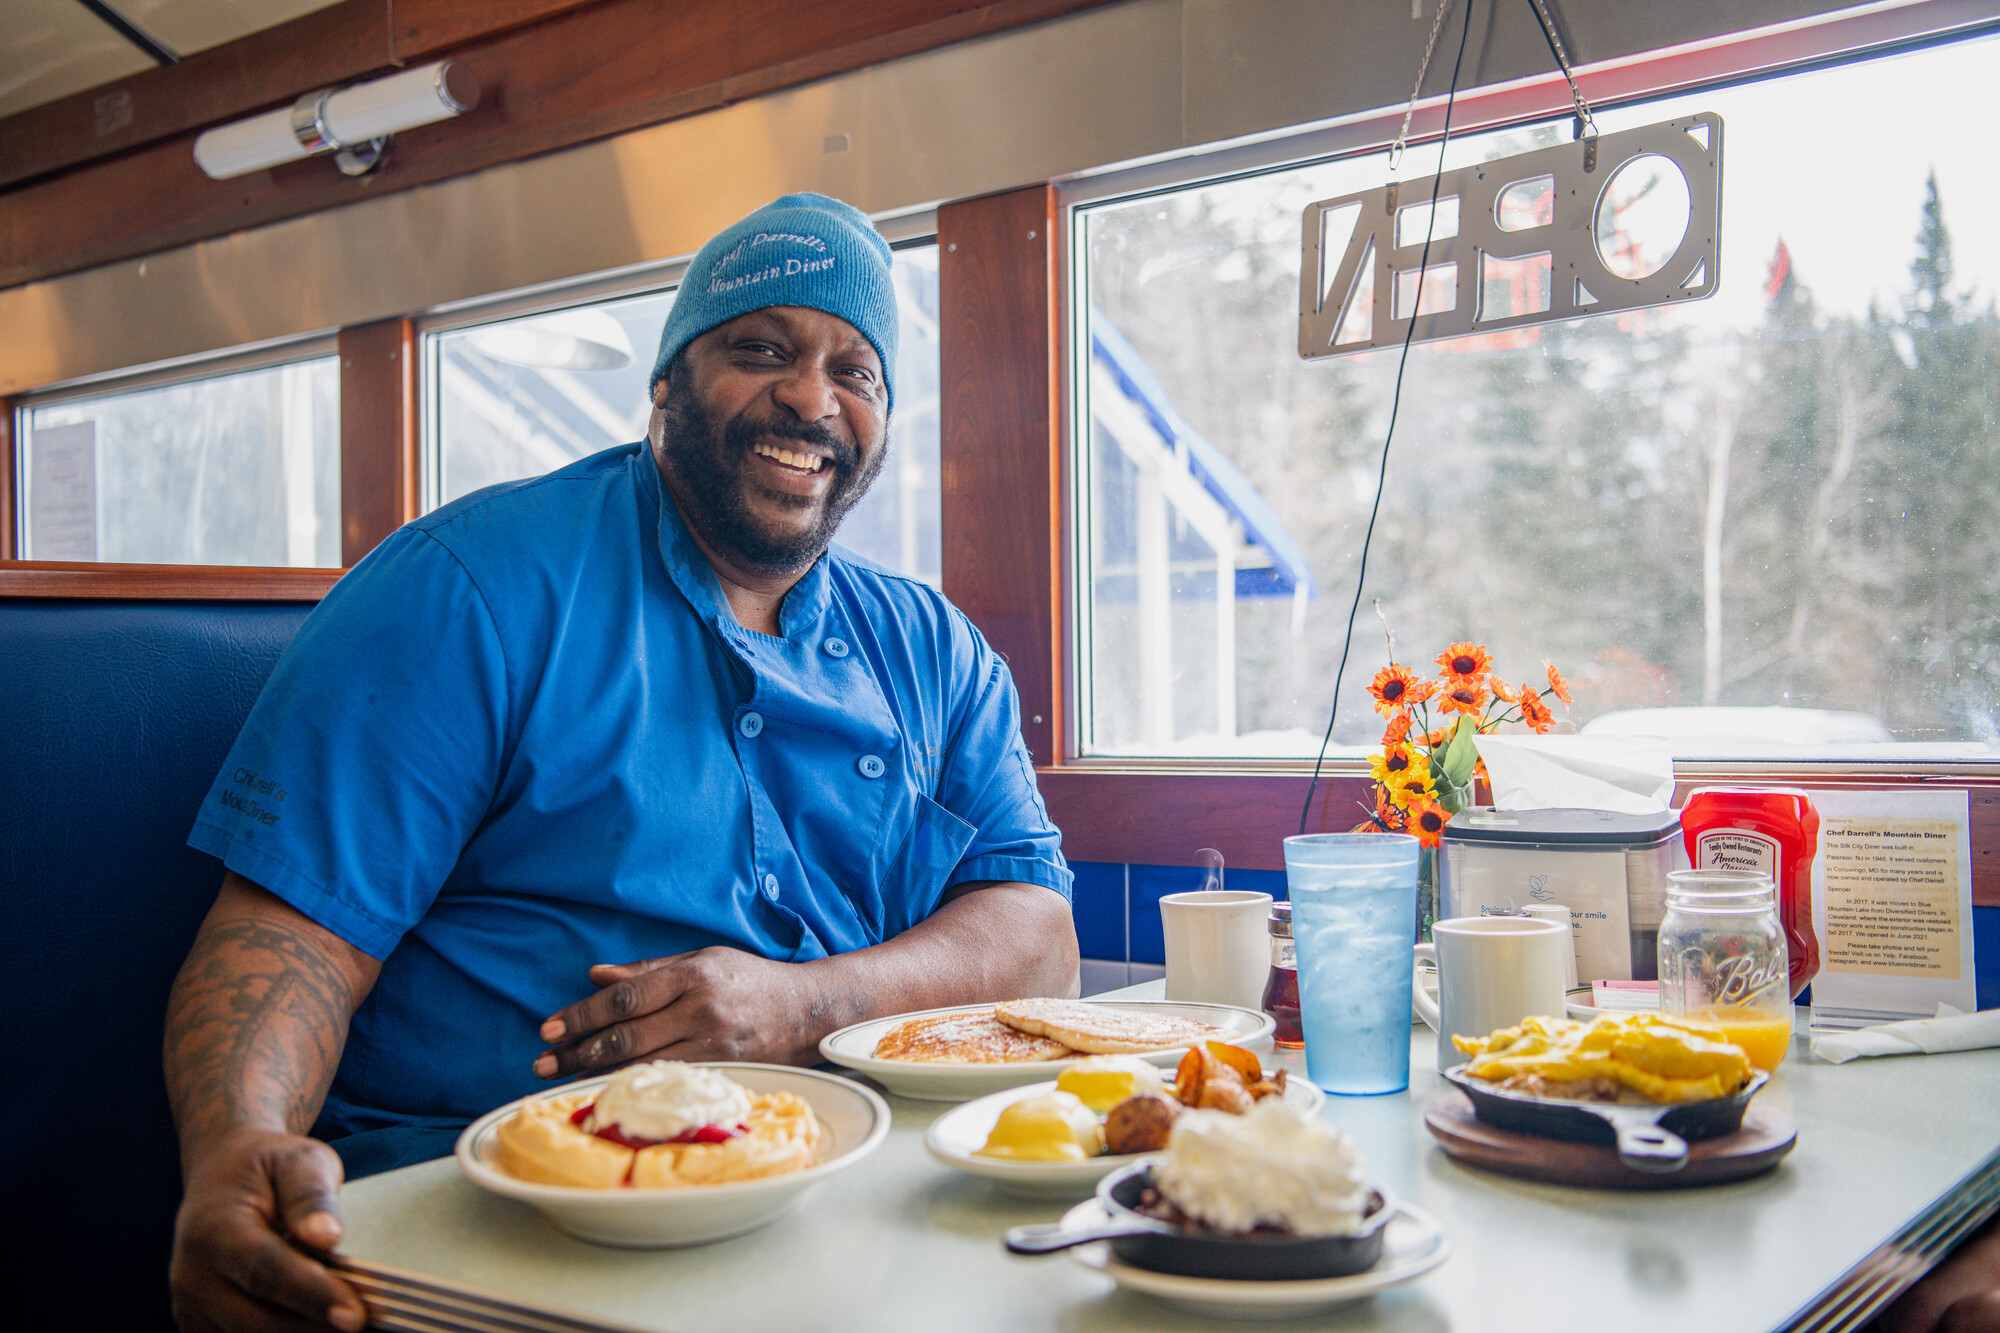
pixel 615 763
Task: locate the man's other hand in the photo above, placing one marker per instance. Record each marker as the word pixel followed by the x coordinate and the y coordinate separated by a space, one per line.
pixel 233 1267
pixel 713 1004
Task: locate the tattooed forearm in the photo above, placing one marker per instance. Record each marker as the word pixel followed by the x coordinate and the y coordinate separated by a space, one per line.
pixel 256 1024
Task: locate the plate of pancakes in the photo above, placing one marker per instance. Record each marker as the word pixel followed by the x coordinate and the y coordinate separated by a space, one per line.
pixel 952 1055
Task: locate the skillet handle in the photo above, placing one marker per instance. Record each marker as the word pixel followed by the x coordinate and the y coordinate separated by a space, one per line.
pixel 1644 1146
pixel 1050 1237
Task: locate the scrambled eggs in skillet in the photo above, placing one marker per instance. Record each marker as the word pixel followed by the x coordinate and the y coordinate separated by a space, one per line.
pixel 1614 1057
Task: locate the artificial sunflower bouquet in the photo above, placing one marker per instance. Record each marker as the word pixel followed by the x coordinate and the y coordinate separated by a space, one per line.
pixel 1425 773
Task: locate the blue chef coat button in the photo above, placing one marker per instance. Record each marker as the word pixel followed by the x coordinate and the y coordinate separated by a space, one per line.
pixel 751 724
pixel 770 886
pixel 870 766
pixel 835 647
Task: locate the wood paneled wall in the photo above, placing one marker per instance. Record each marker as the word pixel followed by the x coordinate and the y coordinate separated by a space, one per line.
pixel 582 72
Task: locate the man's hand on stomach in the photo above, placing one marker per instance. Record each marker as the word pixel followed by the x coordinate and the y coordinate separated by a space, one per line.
pixel 712 1004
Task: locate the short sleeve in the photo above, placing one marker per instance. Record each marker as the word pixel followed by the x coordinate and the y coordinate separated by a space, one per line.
pixel 374 751
pixel 988 781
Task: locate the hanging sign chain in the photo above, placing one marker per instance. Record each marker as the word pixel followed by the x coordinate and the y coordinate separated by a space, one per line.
pixel 1396 149
pixel 1586 126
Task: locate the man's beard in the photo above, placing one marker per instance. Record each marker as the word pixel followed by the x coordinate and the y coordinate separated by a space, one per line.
pixel 712 466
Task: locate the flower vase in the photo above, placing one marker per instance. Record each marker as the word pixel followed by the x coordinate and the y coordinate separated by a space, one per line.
pixel 1427 892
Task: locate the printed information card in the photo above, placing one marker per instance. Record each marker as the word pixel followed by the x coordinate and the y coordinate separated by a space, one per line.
pixel 1892 902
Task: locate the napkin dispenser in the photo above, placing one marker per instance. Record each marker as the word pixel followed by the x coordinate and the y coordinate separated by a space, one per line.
pixel 1609 869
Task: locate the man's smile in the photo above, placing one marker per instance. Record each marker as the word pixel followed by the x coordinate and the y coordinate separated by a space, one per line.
pixel 796 461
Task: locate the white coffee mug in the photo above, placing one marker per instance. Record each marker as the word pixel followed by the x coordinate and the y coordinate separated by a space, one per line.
pixel 1218 946
pixel 1563 917
pixel 1493 971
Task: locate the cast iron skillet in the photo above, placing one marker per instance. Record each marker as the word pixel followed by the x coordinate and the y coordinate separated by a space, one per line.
pixel 1653 1139
pixel 1146 1242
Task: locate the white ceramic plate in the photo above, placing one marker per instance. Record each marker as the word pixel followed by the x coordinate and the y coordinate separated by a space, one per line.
pixel 1413 1245
pixel 938 1082
pixel 855 1118
pixel 959 1133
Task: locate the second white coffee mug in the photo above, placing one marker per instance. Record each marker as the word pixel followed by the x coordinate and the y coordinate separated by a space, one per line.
pixel 1493 971
pixel 1218 946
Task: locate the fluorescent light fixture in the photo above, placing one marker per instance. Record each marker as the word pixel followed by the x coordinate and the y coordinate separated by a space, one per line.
pixel 564 340
pixel 353 122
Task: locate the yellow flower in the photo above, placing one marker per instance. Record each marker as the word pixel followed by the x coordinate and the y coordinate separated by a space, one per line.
pixel 1389 766
pixel 1412 788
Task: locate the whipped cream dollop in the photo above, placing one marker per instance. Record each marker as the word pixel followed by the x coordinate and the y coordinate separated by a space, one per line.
pixel 1272 1166
pixel 666 1098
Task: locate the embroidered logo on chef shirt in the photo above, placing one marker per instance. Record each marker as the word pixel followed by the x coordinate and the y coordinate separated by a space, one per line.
pixel 925 756
pixel 251 792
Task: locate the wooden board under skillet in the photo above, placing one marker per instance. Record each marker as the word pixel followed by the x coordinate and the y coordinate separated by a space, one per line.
pixel 1766 1136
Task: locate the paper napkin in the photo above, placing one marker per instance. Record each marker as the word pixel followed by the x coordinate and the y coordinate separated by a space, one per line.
pixel 1951 1030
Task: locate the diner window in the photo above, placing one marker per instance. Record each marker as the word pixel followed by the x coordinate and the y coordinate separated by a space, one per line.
pixel 230 467
pixel 521 396
pixel 1764 525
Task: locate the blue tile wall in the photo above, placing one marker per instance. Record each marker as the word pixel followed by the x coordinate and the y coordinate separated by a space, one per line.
pixel 1141 888
pixel 1098 901
pixel 1118 914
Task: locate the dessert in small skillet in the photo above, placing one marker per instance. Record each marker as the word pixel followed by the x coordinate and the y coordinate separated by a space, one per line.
pixel 1275 1168
pixel 663 1125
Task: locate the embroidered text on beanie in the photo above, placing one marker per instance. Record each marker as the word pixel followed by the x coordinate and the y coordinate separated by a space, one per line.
pixel 801 249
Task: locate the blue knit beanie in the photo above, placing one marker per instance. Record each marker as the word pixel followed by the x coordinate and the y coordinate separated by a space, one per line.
pixel 802 249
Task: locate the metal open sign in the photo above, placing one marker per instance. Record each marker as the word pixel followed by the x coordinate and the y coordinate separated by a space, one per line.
pixel 1613 222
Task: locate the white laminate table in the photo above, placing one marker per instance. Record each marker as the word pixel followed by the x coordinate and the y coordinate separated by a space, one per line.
pixel 1895 1159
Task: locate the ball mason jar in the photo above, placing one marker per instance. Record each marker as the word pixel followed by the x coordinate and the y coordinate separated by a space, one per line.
pixel 1723 962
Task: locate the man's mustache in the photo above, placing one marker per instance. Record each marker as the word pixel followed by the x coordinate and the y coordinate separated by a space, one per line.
pixel 745 432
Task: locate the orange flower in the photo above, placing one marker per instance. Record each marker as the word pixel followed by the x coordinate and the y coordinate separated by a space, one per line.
pixel 1534 712
pixel 1397 730
pixel 1502 690
pixel 1558 686
pixel 1464 663
pixel 1427 821
pixel 1421 692
pixel 1467 699
pixel 1433 739
pixel 1390 686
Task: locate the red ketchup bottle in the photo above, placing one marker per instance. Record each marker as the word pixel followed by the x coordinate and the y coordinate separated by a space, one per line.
pixel 1772 829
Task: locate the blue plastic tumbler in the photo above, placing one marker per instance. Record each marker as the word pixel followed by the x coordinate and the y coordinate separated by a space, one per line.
pixel 1354 919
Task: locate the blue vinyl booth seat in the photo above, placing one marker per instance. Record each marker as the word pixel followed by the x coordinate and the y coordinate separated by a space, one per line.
pixel 115 717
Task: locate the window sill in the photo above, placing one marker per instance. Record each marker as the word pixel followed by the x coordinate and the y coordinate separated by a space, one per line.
pixel 185 583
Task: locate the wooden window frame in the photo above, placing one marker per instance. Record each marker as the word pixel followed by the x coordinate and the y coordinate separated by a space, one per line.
pixel 379 492
pixel 1005 463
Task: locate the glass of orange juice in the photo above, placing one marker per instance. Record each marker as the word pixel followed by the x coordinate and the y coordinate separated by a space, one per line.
pixel 1723 963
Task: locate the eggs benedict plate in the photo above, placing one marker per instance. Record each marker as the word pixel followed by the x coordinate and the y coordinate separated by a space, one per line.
pixel 1044 1148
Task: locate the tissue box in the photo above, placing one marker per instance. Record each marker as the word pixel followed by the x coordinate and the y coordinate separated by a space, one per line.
pixel 1609 869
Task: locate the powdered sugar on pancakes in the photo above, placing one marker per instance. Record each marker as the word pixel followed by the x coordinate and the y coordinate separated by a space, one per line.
pixel 966 1038
pixel 1098 1029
